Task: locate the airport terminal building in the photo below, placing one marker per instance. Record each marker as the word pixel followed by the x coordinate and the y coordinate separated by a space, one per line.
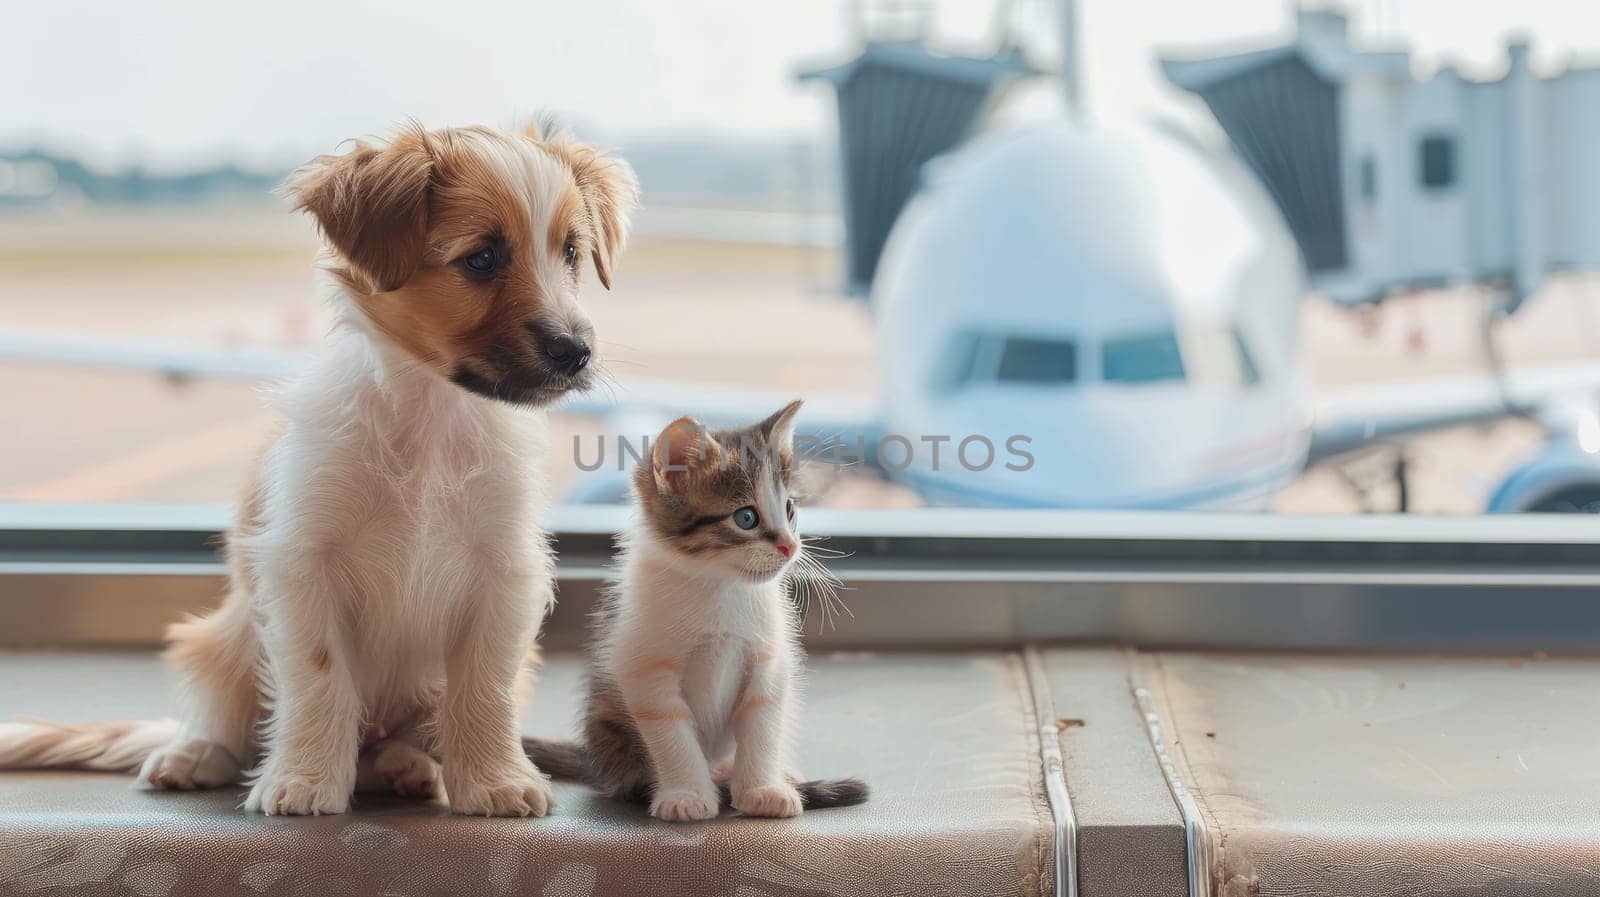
pixel 1389 182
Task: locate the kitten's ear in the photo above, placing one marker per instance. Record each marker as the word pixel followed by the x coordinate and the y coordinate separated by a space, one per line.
pixel 610 192
pixel 682 449
pixel 372 205
pixel 779 428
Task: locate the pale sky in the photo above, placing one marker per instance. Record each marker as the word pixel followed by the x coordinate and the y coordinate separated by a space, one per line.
pixel 172 81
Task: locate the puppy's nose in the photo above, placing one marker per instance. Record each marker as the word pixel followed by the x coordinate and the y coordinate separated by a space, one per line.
pixel 568 353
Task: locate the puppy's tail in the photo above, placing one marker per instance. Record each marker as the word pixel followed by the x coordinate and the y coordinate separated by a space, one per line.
pixel 111 747
pixel 557 759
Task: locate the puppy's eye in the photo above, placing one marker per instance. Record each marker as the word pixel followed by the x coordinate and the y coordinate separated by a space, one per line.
pixel 571 255
pixel 483 261
pixel 789 509
pixel 746 518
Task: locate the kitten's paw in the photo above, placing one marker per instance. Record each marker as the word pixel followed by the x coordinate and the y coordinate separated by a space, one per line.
pixel 279 794
pixel 684 804
pixel 187 763
pixel 779 801
pixel 519 790
pixel 406 770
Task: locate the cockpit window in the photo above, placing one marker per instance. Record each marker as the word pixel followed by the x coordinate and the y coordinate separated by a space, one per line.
pixel 1032 360
pixel 1142 359
pixel 973 357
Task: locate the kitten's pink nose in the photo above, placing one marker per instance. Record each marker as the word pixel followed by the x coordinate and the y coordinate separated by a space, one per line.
pixel 785 548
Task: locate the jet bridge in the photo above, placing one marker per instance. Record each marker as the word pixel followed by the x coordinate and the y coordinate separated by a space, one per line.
pixel 900 105
pixel 1393 183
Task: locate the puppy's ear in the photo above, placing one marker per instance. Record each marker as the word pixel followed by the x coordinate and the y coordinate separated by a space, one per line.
pixel 610 192
pixel 372 204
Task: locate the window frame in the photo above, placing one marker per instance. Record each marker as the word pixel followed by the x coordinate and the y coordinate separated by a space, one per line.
pixel 1367 184
pixel 1249 369
pixel 95 576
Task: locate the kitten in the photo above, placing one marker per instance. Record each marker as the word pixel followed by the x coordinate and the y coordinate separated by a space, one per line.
pixel 696 660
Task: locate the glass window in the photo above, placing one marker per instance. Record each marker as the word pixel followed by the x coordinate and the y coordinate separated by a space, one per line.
pixel 1438 162
pixel 1142 359
pixel 1248 372
pixel 1033 360
pixel 153 282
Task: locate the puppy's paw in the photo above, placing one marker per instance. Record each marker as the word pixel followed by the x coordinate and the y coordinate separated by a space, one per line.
pixel 779 801
pixel 406 770
pixel 187 763
pixel 518 790
pixel 684 804
pixel 277 794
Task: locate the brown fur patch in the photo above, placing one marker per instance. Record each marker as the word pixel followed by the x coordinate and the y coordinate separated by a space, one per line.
pixel 372 204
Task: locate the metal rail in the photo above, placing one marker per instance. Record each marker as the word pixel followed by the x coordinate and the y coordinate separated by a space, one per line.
pixel 959 578
pixel 1051 764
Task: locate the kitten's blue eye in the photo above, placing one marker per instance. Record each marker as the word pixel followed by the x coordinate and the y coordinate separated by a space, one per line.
pixel 480 262
pixel 571 256
pixel 746 518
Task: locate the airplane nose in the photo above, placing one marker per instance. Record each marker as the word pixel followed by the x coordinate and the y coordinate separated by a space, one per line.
pixel 568 353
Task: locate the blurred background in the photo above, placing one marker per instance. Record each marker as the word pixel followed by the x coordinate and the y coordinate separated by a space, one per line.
pixel 1245 254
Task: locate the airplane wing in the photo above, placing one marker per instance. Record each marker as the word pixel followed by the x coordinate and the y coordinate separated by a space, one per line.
pixel 1351 419
pixel 713 404
pixel 170 359
pixel 829 416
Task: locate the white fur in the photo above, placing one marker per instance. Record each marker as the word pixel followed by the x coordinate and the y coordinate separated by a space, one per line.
pixel 398 542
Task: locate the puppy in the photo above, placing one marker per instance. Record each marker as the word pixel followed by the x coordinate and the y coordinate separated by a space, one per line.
pixel 388 576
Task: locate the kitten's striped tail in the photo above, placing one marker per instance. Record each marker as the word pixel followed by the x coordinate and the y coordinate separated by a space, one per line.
pixel 822 794
pixel 565 760
pixel 109 747
pixel 557 759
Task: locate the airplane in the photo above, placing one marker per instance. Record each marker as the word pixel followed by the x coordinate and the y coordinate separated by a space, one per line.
pixel 1118 296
